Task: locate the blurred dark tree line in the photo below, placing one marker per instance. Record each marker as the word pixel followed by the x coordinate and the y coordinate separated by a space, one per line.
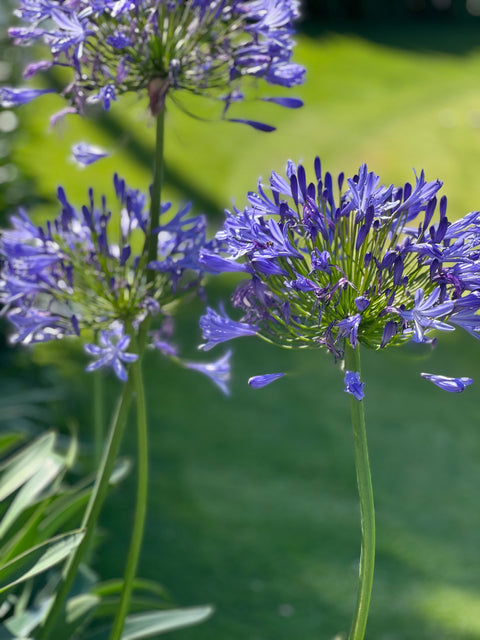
pixel 363 10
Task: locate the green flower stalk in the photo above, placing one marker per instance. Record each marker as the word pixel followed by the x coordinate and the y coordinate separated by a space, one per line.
pixel 337 267
pixel 110 282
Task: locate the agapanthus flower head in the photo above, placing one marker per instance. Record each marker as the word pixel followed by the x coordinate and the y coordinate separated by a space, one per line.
pixel 161 47
pixel 335 263
pixel 86 274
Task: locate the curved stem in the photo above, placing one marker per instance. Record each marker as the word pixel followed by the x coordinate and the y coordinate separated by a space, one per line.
pixel 150 249
pixel 141 506
pixel 98 415
pixel 156 193
pixel 94 506
pixel 367 556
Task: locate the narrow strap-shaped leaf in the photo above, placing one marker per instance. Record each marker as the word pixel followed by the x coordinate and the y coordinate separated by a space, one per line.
pixel 24 623
pixel 114 587
pixel 62 511
pixel 121 470
pixel 39 559
pixel 108 607
pixel 26 537
pixel 24 464
pixel 6 635
pixel 9 440
pixel 31 490
pixel 147 625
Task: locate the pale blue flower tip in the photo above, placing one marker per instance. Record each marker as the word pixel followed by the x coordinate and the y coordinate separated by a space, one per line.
pixel 257 382
pixel 453 385
pixel 353 385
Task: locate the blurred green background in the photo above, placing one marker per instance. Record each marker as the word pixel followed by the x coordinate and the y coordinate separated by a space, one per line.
pixel 253 501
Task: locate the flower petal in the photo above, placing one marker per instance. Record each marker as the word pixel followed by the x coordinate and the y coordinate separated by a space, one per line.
pixel 353 385
pixel 260 126
pixel 86 154
pixel 453 385
pixel 257 382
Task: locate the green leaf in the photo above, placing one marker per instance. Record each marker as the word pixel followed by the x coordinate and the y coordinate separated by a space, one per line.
pixel 146 595
pixel 62 510
pixel 78 606
pixel 21 600
pixel 6 635
pixel 108 607
pixel 147 625
pixel 9 440
pixel 72 452
pixel 121 470
pixel 27 535
pixel 24 623
pixel 24 464
pixel 77 614
pixel 74 617
pixel 39 559
pixel 31 490
pixel 115 586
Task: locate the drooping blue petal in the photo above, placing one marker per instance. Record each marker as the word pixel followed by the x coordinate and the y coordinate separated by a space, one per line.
pixel 353 385
pixel 424 314
pixel 257 382
pixel 290 103
pixel 218 371
pixel 218 327
pixel 361 302
pixel 86 154
pixel 453 385
pixel 348 328
pixel 260 126
pixel 214 263
pixel 10 97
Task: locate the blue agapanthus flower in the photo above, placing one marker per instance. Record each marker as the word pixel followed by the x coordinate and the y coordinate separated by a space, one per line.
pixel 111 351
pixel 86 274
pixel 218 371
pixel 85 154
pixel 331 265
pixel 454 385
pixel 257 382
pixel 161 47
pixel 353 385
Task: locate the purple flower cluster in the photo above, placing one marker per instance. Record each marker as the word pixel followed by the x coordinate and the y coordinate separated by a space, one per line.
pixel 341 262
pixel 160 47
pixel 85 274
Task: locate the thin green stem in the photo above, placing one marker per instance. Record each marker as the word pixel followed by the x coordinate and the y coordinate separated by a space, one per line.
pixel 150 249
pixel 141 506
pixel 364 480
pixel 92 512
pixel 156 194
pixel 98 415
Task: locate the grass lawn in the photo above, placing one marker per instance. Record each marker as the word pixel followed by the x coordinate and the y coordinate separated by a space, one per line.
pixel 253 501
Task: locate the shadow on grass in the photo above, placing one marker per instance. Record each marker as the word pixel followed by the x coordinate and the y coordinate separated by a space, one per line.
pixel 143 155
